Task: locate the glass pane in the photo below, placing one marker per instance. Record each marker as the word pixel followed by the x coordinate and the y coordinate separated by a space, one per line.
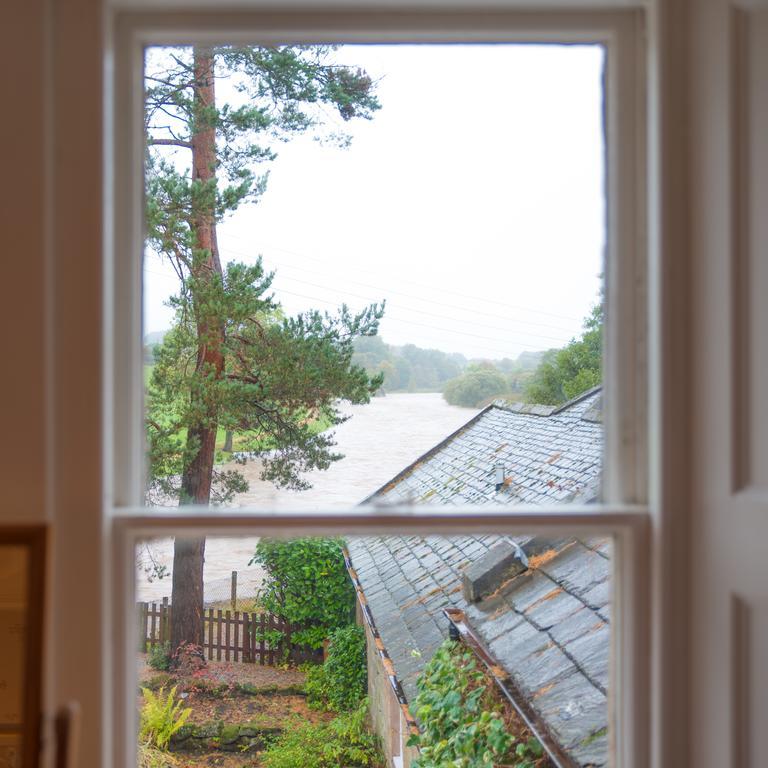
pixel 355 251
pixel 378 650
pixel 14 605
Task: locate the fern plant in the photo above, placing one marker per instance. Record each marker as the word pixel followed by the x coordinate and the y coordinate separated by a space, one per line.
pixel 161 716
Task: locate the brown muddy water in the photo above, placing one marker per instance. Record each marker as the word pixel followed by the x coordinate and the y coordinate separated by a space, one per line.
pixel 379 441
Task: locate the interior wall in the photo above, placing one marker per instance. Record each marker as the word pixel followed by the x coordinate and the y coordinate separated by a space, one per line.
pixel 50 320
pixel 23 309
pixel 76 188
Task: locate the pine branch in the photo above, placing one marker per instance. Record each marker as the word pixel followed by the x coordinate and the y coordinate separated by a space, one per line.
pixel 170 142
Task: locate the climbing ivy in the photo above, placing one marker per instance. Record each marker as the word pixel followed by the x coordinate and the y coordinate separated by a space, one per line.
pixel 461 719
pixel 339 685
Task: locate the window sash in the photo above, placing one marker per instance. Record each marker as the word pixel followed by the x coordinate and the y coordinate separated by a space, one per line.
pixel 625 392
pixel 628 526
pixel 625 464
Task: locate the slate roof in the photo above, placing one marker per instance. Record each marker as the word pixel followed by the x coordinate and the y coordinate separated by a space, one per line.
pixel 549 626
pixel 550 454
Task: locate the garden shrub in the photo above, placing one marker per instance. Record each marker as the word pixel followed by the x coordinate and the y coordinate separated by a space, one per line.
pixel 345 741
pixel 161 717
pixel 461 720
pixel 306 583
pixel 160 657
pixel 340 684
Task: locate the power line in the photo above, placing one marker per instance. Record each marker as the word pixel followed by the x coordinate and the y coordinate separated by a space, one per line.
pixel 407 321
pixel 413 322
pixel 559 340
pixel 420 298
pixel 469 310
pixel 483 299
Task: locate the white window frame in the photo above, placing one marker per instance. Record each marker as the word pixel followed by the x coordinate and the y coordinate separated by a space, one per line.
pixel 622 513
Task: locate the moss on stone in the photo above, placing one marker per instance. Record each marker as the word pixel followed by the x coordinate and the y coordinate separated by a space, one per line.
pixel 593 737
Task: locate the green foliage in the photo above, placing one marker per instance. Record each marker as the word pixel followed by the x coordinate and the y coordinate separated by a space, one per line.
pixel 161 717
pixel 528 753
pixel 461 719
pixel 566 373
pixel 306 582
pixel 316 686
pixel 160 657
pixel 478 383
pixel 345 741
pixel 341 682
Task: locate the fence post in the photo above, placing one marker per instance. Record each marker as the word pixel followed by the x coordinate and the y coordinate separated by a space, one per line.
pixel 234 589
pixel 143 610
pixel 211 622
pixel 164 623
pixel 154 613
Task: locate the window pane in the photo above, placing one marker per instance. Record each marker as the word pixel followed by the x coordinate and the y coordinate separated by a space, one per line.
pixel 374 273
pixel 383 648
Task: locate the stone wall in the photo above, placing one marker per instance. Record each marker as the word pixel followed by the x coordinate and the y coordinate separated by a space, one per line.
pixel 386 716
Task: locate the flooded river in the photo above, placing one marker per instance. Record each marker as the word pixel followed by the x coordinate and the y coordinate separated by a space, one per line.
pixel 380 440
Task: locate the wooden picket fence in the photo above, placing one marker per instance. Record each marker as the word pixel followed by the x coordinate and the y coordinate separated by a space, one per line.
pixel 228 635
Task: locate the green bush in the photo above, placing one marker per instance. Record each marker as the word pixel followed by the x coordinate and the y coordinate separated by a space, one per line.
pixel 340 684
pixel 461 723
pixel 306 583
pixel 160 657
pixel 479 382
pixel 161 717
pixel 345 741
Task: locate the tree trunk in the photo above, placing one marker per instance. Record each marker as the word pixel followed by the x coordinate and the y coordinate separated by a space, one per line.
pixel 189 554
pixel 228 440
pixel 187 599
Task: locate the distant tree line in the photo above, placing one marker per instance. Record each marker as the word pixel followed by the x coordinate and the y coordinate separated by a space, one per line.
pixel 550 378
pixel 408 368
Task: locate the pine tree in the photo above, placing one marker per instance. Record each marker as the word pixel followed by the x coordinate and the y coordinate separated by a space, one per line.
pixel 232 360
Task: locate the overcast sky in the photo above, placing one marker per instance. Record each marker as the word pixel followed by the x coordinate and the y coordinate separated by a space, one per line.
pixel 473 202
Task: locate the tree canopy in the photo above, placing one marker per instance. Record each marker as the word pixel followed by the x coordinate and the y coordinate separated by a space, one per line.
pixel 479 382
pixel 566 373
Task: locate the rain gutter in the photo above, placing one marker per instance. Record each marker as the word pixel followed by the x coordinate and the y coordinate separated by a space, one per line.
pixel 386 661
pixel 508 688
